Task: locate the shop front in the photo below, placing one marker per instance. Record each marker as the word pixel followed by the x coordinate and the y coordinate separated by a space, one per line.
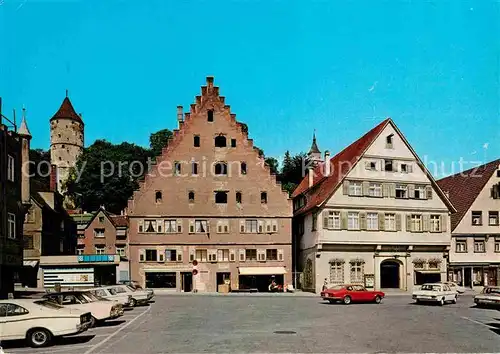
pixel 475 275
pixel 259 278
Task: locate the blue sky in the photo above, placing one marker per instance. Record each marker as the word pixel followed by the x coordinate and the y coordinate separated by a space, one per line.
pixel 286 68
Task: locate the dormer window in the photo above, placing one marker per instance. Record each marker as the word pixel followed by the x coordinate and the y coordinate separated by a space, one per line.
pixel 210 115
pixel 158 197
pixel 389 141
pixel 220 141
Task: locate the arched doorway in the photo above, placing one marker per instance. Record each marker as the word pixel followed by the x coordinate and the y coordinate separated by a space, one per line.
pixel 390 274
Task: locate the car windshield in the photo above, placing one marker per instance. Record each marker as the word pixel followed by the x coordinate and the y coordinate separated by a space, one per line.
pixel 91 297
pixel 49 304
pixel 131 288
pixel 495 291
pixel 431 287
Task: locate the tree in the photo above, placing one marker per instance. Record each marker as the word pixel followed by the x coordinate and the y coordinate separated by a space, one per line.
pixel 159 140
pixel 40 166
pixel 292 172
pixel 273 164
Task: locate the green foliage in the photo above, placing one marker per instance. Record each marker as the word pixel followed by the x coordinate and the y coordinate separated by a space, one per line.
pixel 159 140
pixel 40 166
pixel 292 171
pixel 273 164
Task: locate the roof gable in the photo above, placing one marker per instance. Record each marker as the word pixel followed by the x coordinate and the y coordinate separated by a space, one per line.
pixel 463 188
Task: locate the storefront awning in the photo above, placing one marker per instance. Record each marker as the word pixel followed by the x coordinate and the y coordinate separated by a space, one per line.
pixel 262 270
pixel 436 271
pixel 30 263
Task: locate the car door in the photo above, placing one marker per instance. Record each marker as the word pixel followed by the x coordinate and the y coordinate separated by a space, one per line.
pixel 354 293
pixel 12 325
pixel 450 294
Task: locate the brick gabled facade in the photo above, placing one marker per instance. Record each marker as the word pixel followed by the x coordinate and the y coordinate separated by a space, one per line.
pixel 209 197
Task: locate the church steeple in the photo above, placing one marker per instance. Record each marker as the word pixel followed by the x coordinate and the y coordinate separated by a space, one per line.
pixel 314 154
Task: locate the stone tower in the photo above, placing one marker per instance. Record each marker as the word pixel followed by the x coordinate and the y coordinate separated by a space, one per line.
pixel 314 154
pixel 66 140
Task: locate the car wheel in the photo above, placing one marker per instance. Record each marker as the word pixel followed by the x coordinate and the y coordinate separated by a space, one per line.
pixel 347 300
pixel 133 302
pixel 39 337
pixel 441 302
pixel 93 322
pixel 417 301
pixel 378 299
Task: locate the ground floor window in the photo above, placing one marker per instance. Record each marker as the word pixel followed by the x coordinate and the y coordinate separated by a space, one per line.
pixel 357 271
pixel 336 272
pixel 161 280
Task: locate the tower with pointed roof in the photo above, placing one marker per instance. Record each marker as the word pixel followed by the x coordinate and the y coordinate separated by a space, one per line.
pixel 66 140
pixel 314 154
pixel 25 135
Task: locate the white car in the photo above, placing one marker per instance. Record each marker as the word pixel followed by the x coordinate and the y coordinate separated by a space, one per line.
pixel 454 286
pixel 39 321
pixel 489 297
pixel 436 292
pixel 135 297
pixel 100 310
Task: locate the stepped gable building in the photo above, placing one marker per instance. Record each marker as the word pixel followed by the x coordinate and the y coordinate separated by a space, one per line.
pixel 372 215
pixel 211 199
pixel 475 228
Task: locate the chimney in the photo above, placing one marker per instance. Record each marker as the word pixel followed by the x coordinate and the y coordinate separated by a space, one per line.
pixel 53 178
pixel 327 163
pixel 179 115
pixel 311 176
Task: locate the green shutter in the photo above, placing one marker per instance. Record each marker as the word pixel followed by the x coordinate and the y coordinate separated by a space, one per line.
pixel 398 222
pixel 381 221
pixel 343 220
pixel 408 222
pixel 362 221
pixel 325 219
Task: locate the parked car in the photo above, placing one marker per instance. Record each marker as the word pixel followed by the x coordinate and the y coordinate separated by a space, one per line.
pixel 39 321
pixel 100 310
pixel 133 285
pixel 135 297
pixel 454 286
pixel 103 293
pixel 351 293
pixel 435 292
pixel 489 297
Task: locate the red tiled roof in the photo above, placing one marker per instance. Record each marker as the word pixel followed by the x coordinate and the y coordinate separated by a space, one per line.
pixel 119 220
pixel 464 187
pixel 340 165
pixel 67 111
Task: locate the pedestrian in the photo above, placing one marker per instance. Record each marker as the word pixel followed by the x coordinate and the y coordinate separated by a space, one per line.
pixel 325 285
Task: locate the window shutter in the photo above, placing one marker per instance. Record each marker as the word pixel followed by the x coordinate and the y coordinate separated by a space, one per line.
pixel 381 221
pixel 261 255
pixel 325 219
pixel 242 226
pixel 208 226
pixel 408 222
pixel 242 255
pixel 160 256
pixel 409 168
pixel 392 190
pixel 343 220
pixel 366 188
pixel 214 255
pixel 362 221
pixel 192 253
pixel 179 225
pixel 232 255
pixel 179 255
pixel 443 223
pixel 275 225
pixel 226 227
pixel 398 222
pixel 219 227
pixel 345 187
pixel 280 255
pixel 428 192
pixel 386 189
pixel 191 226
pixel 425 223
pixel 367 165
pixel 260 226
pixel 142 255
pixel 269 226
pixel 382 167
pixel 411 191
pixel 141 226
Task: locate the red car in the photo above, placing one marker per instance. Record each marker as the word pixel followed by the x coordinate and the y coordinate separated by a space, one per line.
pixel 351 293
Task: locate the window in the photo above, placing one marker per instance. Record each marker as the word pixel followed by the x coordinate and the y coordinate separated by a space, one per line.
pixel 99 232
pixel 251 226
pixel 493 218
pixel 375 190
pixel 353 221
pixel 371 166
pixel 243 168
pixel 251 255
pixel 171 255
pixel 101 219
pixel 194 168
pixel 435 223
pixel 28 242
pixel 223 255
pixel 100 249
pixel 355 188
pixel 497 244
pixel 150 225
pixel 479 246
pixel 263 197
pixel 170 226
pixel 388 165
pixel 151 255
pixel 477 218
pixel 8 310
pixel 158 196
pixel 210 115
pixel 416 222
pixel 120 250
pixel 201 255
pixel 419 192
pixel 334 220
pixel 388 141
pixel 233 143
pixel 272 254
pixel 196 141
pixel 418 263
pixel 220 141
pixel 201 226
pixel 80 250
pixel 191 196
pixel 223 226
pixel 238 197
pixel 390 222
pixel 372 221
pixel 357 271
pixel 11 169
pixel 220 168
pixel 460 246
pixel 11 226
pixel 337 272
pixel 401 191
pixel 404 168
pixel 434 264
pixel 177 168
pixel 220 197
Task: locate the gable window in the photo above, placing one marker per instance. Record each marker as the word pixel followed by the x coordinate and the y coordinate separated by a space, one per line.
pixel 220 168
pixel 177 168
pixel 243 168
pixel 420 192
pixel 158 196
pixel 251 226
pixel 372 221
pixel 353 220
pixel 98 232
pixel 263 197
pixel 191 197
pixel 233 143
pixel 493 218
pixel 477 218
pixel 101 219
pixel 151 255
pixel 355 188
pixel 479 246
pixel 210 115
pixel 416 222
pixel 196 141
pixel 388 165
pixel 375 190
pixel 220 197
pixel 238 197
pixel 461 245
pixel 100 249
pixel 220 141
pixel 336 271
pixel 251 255
pixel 435 223
pixel 390 222
pixel 371 166
pixel 334 220
pixel 11 169
pixel 11 226
pixel 150 225
pixel 389 141
pixel 194 168
pixel 201 226
pixel 401 191
pixel 404 168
